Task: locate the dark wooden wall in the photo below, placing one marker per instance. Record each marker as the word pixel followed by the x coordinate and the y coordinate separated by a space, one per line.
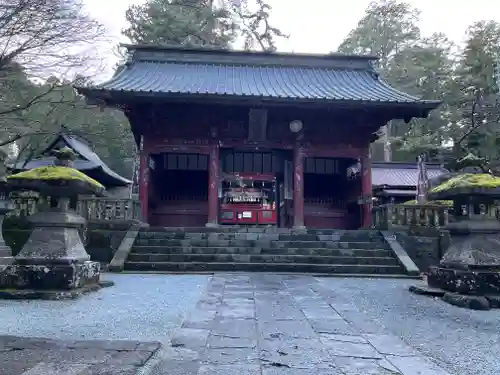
pixel 181 184
pixel 183 161
pixel 252 161
pixel 326 165
pixel 201 125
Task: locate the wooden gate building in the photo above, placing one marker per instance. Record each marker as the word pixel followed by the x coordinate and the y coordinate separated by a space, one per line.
pixel 285 127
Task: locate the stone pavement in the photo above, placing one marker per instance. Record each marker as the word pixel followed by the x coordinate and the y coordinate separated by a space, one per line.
pixel 243 324
pixel 38 356
pixel 262 324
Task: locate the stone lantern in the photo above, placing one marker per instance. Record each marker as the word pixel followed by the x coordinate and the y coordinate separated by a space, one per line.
pixel 468 274
pixel 53 263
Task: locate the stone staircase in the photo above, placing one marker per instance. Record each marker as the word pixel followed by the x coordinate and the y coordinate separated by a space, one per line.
pixel 357 252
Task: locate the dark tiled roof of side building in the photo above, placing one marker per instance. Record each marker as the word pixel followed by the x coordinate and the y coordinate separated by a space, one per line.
pixel 401 174
pixel 89 161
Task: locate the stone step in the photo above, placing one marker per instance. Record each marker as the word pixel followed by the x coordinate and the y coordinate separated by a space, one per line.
pixel 264 267
pixel 375 237
pixel 329 244
pixel 261 258
pixel 261 243
pixel 257 250
pixel 316 274
pixel 260 229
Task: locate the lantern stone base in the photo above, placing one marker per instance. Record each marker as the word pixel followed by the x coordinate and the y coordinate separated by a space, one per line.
pixel 49 281
pixel 53 264
pixel 473 302
pixel 52 276
pixel 55 239
pixel 472 289
pixel 469 273
pixel 469 282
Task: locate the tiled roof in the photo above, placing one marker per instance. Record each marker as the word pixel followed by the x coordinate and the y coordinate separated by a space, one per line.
pixel 331 78
pixel 265 82
pixel 400 192
pixel 88 154
pixel 90 162
pixel 401 174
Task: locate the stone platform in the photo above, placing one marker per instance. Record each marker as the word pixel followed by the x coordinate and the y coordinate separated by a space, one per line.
pixel 40 356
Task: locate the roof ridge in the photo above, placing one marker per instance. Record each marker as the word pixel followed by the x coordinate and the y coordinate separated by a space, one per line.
pixel 246 64
pixel 244 58
pixel 225 51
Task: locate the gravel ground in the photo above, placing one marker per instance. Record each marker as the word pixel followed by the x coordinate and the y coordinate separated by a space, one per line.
pixel 137 307
pixel 148 307
pixel 464 341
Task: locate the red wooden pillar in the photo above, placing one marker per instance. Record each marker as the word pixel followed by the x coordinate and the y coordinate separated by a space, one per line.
pixel 213 186
pixel 366 188
pixel 298 188
pixel 144 184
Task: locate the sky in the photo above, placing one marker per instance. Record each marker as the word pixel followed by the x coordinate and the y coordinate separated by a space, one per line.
pixel 321 26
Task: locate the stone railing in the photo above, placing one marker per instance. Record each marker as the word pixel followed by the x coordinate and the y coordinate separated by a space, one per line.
pixel 91 208
pixel 399 216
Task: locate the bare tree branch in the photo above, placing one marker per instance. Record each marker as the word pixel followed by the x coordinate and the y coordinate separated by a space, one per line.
pixel 21 107
pixel 474 114
pixel 40 38
pixel 255 25
pixel 17 137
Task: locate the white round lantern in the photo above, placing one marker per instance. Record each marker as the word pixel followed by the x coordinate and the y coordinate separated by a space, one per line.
pixel 296 126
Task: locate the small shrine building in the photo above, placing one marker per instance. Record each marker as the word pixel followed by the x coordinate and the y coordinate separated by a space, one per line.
pixel 396 182
pixel 87 162
pixel 257 138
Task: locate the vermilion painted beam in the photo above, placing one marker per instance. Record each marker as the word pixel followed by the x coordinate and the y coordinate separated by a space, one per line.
pixel 298 188
pixel 144 185
pixel 367 188
pixel 213 186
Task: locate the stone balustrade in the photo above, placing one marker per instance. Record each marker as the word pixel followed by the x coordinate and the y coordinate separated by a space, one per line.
pixel 91 208
pixel 400 216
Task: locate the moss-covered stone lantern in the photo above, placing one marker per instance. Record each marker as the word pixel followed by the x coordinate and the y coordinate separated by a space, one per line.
pixel 53 263
pixel 468 274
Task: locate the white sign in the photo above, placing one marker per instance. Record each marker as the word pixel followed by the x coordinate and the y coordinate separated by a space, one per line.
pixel 245 198
pixel 247 215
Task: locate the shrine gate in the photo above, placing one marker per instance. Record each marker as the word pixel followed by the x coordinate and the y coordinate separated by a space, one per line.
pixel 254 138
